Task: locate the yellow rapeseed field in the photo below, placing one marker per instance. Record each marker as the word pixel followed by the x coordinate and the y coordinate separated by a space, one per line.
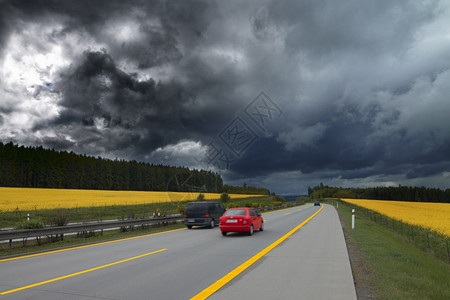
pixel 435 216
pixel 30 199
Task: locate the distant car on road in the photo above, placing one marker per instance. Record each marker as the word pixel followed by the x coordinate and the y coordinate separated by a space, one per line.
pixel 203 213
pixel 317 203
pixel 241 219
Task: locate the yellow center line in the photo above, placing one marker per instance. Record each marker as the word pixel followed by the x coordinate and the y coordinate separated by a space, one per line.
pixel 287 213
pixel 227 278
pixel 90 245
pixel 79 273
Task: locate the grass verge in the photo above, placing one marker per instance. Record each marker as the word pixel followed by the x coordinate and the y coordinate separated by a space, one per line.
pixel 389 267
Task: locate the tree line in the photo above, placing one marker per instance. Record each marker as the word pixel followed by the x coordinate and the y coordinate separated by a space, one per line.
pixel 399 193
pixel 37 167
pixel 245 190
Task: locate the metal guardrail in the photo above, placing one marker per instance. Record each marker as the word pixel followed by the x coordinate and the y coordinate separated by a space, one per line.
pixel 77 228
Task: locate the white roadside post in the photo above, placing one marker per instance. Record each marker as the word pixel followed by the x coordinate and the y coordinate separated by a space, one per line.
pixel 28 217
pixel 353 218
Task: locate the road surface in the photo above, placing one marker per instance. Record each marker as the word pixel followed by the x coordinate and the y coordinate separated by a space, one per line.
pixel 311 263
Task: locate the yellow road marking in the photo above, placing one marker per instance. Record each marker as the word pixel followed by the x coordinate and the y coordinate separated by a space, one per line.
pixel 227 278
pixel 287 213
pixel 79 273
pixel 90 245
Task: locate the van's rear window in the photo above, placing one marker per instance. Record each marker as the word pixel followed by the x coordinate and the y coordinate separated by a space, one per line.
pixel 195 207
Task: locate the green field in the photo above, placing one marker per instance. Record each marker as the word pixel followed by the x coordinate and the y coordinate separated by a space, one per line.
pixel 390 267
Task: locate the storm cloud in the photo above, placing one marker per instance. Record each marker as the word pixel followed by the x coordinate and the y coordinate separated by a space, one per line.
pixel 360 88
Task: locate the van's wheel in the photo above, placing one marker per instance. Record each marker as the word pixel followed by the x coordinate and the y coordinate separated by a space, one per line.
pixel 189 226
pixel 212 224
pixel 251 230
pixel 224 233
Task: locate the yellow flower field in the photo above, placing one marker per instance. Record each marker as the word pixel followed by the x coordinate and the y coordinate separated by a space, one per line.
pixel 30 199
pixel 435 216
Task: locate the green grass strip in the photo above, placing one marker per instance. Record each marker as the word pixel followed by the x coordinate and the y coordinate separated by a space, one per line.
pixel 399 270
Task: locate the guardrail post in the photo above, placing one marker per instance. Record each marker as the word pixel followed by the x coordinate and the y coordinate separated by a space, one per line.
pixel 353 218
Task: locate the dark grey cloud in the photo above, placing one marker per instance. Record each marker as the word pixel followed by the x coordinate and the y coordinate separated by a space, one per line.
pixel 373 28
pixel 99 98
pixel 363 85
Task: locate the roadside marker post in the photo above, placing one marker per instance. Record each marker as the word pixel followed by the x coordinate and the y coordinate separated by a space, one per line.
pixel 353 218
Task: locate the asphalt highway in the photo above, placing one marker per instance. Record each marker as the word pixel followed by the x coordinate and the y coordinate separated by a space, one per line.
pixel 184 264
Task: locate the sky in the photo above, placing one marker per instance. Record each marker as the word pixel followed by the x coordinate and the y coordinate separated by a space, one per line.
pixel 275 94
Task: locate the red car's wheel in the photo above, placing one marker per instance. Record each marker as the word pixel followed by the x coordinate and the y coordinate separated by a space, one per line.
pixel 250 232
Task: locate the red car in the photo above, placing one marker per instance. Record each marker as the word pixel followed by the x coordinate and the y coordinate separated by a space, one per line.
pixel 241 219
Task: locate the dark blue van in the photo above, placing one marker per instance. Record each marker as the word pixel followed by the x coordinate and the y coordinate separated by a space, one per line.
pixel 203 213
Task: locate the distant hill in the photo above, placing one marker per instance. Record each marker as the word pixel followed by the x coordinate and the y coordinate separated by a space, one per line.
pixel 37 167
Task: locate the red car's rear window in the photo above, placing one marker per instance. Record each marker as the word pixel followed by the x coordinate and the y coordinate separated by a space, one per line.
pixel 235 212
